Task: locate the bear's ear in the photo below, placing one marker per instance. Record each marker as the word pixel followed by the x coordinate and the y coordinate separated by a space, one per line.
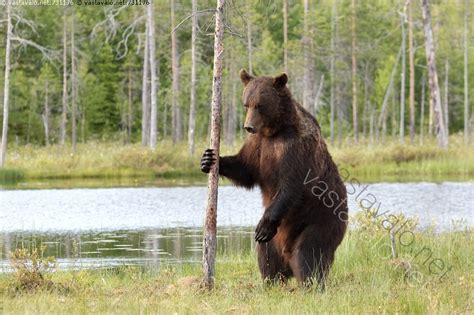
pixel 280 80
pixel 245 76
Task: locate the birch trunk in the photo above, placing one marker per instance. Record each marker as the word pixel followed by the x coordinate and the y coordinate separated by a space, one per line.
pixel 176 113
pixel 192 109
pixel 46 113
pixel 130 109
pixel 402 82
pixel 73 88
pixel 411 60
pixel 145 104
pixel 210 240
pixel 318 94
pixel 354 73
pixel 249 38
pixel 153 75
pixel 307 86
pixel 6 85
pixel 446 96
pixel 422 105
pixel 433 77
pixel 64 108
pixel 332 66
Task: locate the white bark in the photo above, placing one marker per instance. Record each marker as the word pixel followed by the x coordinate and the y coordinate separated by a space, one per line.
pixel 46 113
pixel 6 86
pixel 175 108
pixel 402 82
pixel 433 77
pixel 192 109
pixel 210 229
pixel 63 126
pixel 355 124
pixel 73 88
pixel 154 79
pixel 332 66
pixel 145 103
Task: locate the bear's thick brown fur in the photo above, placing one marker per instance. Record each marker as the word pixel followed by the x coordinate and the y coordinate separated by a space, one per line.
pixel 304 197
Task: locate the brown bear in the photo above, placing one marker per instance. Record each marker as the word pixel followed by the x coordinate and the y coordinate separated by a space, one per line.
pixel 304 197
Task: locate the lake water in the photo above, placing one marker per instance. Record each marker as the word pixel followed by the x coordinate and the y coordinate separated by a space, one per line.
pixel 116 226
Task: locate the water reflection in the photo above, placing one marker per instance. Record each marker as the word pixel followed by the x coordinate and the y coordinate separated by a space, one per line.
pixel 121 247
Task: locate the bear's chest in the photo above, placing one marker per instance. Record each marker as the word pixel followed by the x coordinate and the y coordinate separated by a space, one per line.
pixel 272 153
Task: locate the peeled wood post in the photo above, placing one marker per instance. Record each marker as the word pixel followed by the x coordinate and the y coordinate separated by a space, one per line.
pixel 210 240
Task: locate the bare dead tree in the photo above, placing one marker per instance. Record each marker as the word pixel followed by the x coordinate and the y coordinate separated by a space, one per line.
pixel 433 77
pixel 46 112
pixel 175 107
pixel 446 96
pixel 73 87
pixel 422 105
pixel 210 228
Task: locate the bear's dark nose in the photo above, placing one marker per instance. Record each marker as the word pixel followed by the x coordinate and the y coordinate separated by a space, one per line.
pixel 250 129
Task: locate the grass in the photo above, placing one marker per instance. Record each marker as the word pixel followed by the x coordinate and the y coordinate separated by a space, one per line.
pixel 105 160
pixel 362 281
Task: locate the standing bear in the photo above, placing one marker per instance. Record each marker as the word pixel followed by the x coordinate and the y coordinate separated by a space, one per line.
pixel 305 200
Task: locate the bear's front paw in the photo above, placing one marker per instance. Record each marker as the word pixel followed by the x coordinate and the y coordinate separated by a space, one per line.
pixel 266 230
pixel 207 160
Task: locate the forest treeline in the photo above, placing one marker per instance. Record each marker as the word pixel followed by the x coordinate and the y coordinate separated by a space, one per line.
pixel 144 73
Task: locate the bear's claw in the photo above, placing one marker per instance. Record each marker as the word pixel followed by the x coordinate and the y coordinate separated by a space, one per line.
pixel 265 231
pixel 207 160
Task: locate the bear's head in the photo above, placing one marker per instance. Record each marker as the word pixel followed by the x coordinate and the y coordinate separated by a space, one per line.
pixel 268 103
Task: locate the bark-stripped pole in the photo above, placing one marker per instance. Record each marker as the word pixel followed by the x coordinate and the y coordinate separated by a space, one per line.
pixel 6 86
pixel 210 240
pixel 433 77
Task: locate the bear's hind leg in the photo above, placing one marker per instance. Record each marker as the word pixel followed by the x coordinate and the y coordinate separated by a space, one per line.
pixel 311 259
pixel 272 264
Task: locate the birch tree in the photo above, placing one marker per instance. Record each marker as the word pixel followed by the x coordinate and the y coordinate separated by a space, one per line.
pixel 73 87
pixel 63 125
pixel 433 77
pixel 153 75
pixel 402 81
pixel 192 109
pixel 6 85
pixel 466 84
pixel 354 73
pixel 411 61
pixel 145 84
pixel 175 108
pixel 332 67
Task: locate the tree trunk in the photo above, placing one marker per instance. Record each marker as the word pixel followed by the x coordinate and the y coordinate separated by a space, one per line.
pixel 285 35
pixel 210 229
pixel 192 109
pixel 332 66
pixel 176 118
pixel 383 114
pixel 411 60
pixel 63 126
pixel 307 85
pixel 422 104
pixel 129 114
pixel 446 96
pixel 402 82
pixel 6 85
pixel 466 85
pixel 145 104
pixel 318 94
pixel 433 77
pixel 46 113
pixel 249 37
pixel 154 78
pixel 73 88
pixel 354 74
pixel 366 117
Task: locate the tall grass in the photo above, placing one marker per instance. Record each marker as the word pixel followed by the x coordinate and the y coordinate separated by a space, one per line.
pixel 363 281
pixel 390 161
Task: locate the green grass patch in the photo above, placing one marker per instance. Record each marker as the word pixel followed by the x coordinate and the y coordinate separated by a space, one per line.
pixel 363 281
pixel 169 163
